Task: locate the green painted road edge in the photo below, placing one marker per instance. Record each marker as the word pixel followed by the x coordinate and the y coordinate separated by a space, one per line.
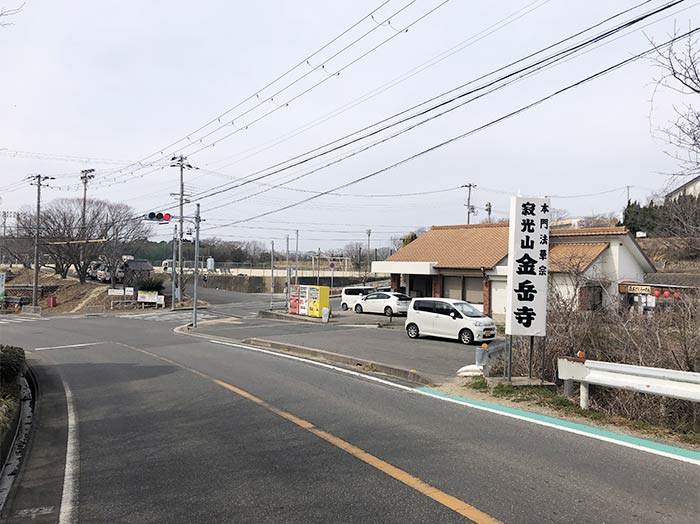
pixel 640 443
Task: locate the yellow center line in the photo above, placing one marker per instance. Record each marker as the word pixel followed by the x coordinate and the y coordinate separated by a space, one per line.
pixel 458 506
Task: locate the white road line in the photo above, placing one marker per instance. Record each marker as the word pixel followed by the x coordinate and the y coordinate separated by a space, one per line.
pixel 69 497
pixel 69 346
pixel 466 404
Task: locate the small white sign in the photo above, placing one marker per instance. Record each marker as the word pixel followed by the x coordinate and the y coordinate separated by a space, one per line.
pixel 2 286
pixel 528 266
pixel 129 291
pixel 160 300
pixel 115 292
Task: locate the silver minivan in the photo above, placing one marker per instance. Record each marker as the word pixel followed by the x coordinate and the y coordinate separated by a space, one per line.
pixel 448 318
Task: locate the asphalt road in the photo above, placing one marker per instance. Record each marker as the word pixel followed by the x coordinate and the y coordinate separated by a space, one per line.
pixel 435 359
pixel 169 428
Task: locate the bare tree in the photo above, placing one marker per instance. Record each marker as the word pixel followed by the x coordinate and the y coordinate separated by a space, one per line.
pixel 124 233
pixel 680 66
pixel 5 13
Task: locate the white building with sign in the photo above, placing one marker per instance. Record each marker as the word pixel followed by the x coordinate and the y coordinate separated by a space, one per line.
pixel 470 262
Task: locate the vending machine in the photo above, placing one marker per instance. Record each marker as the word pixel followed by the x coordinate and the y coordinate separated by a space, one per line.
pixel 303 297
pixel 293 306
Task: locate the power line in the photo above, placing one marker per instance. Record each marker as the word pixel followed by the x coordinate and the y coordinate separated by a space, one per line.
pixel 539 64
pixel 471 40
pixel 271 97
pixel 472 131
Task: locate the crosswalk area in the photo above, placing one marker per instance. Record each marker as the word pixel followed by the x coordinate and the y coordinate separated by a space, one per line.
pixel 16 319
pixel 181 317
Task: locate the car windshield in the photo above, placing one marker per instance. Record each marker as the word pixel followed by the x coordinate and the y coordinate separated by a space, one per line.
pixel 467 309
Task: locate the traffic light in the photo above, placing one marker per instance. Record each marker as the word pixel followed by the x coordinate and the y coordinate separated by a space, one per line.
pixel 159 216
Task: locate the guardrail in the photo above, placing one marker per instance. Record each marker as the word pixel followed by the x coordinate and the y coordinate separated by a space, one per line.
pixel 484 359
pixel 31 310
pixel 683 385
pixel 95 311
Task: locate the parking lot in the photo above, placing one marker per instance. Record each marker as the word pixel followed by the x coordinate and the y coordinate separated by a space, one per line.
pixel 435 359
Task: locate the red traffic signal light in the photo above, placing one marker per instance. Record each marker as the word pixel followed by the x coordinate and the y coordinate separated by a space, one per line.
pixel 159 216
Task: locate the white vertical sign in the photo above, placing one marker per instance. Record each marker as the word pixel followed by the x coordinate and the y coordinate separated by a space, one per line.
pixel 2 286
pixel 528 266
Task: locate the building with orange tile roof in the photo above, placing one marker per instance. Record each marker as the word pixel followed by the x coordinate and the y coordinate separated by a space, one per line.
pixel 470 262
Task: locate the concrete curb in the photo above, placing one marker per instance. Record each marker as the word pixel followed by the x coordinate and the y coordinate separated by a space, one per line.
pixel 356 363
pixel 277 315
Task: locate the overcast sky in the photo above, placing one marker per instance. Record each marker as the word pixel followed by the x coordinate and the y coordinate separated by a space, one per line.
pixel 120 80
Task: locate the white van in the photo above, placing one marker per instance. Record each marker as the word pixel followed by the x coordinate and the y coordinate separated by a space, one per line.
pixel 351 295
pixel 448 318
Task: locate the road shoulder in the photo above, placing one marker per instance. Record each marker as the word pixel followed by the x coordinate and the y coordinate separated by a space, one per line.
pixel 36 493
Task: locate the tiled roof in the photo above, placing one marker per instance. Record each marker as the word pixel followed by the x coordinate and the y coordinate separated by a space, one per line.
pixel 589 232
pixel 673 279
pixel 465 247
pixel 574 256
pixel 484 245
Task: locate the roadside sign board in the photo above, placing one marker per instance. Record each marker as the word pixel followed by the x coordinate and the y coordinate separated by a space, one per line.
pixel 148 296
pixel 332 264
pixel 115 292
pixel 528 266
pixel 129 291
pixel 2 286
pixel 160 300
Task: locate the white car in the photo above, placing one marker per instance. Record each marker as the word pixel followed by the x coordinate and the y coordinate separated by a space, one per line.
pixel 351 295
pixel 387 303
pixel 448 318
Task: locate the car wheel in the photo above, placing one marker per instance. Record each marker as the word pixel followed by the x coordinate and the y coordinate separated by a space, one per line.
pixel 388 311
pixel 412 331
pixel 344 306
pixel 358 308
pixel 466 336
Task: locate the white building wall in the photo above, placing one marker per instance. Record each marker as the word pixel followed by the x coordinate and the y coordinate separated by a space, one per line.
pixel 498 299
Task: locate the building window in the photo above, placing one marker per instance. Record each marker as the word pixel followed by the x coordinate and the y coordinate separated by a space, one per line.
pixel 474 290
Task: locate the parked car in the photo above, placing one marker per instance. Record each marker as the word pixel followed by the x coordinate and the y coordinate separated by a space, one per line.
pixel 102 273
pixel 134 270
pixel 387 303
pixel 448 318
pixel 92 270
pixel 350 296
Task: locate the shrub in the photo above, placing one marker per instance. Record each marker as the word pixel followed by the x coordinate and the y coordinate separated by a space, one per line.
pixel 11 362
pixel 150 284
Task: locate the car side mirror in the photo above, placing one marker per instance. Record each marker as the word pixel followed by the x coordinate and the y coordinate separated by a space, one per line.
pixel 453 314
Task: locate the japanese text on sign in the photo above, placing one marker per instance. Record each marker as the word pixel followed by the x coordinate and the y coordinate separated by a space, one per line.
pixel 528 266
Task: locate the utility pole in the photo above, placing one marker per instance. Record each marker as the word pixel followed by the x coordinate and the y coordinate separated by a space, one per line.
pixel 628 195
pixel 272 271
pixel 172 269
pixel 359 262
pixel 197 220
pixel 4 234
pixel 287 273
pixel 38 179
pixel 296 259
pixel 318 268
pixel 85 176
pixel 181 162
pixel 488 211
pixel 369 252
pixel 470 208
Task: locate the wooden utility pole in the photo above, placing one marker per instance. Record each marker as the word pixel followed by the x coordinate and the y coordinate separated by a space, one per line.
pixel 470 208
pixel 38 180
pixel 85 176
pixel 181 162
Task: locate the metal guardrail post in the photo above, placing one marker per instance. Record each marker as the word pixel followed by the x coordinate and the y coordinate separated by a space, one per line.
pixel 584 395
